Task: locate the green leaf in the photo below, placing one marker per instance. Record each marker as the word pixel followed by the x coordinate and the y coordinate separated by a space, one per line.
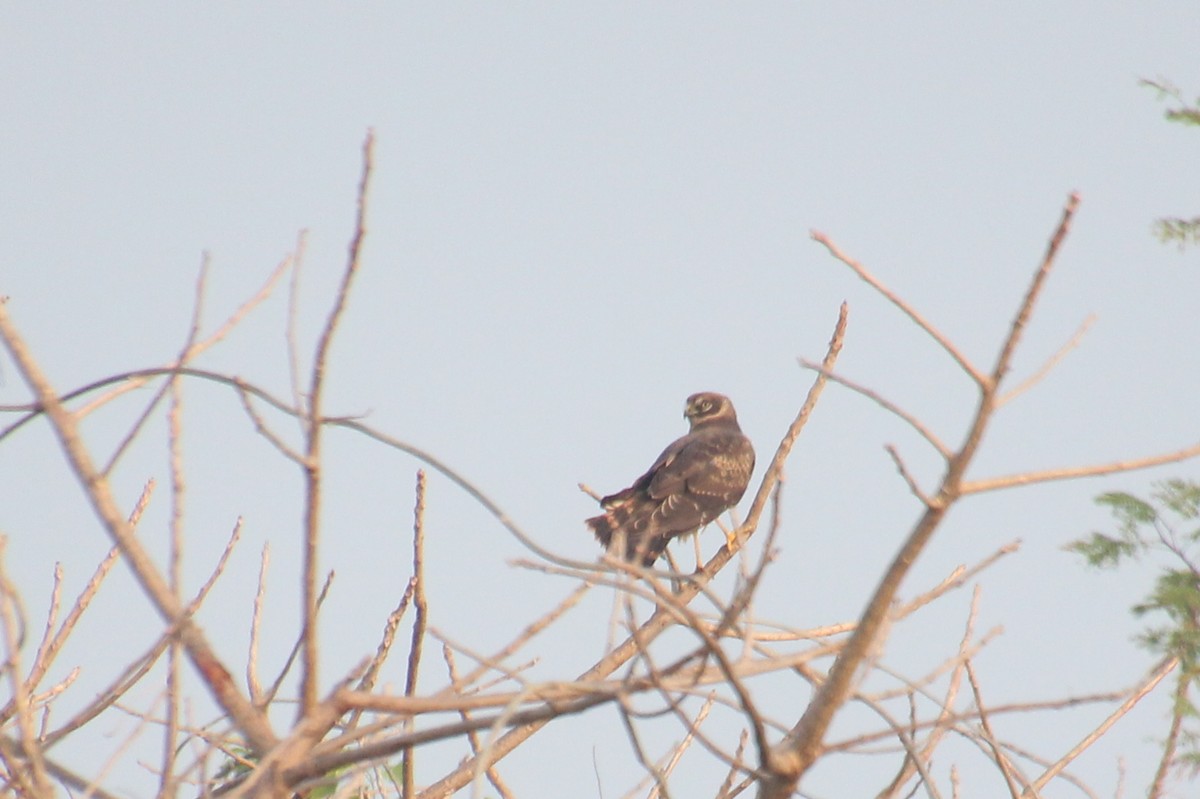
pixel 1103 551
pixel 1128 509
pixel 1181 496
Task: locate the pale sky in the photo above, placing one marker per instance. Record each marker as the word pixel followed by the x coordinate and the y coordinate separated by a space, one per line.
pixel 580 214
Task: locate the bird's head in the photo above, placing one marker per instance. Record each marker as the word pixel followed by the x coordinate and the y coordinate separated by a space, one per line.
pixel 708 406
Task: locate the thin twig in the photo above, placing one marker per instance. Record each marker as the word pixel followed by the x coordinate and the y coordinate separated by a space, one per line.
pixel 661 619
pixel 47 655
pixel 175 554
pixel 527 634
pixel 1136 695
pixel 421 609
pixel 216 677
pixel 253 683
pixel 900 303
pixel 1076 472
pixel 907 475
pixel 312 455
pixel 913 758
pixel 260 427
pixel 456 683
pixel 677 754
pixel 800 748
pixel 296 647
pixel 639 751
pixel 1017 329
pixel 735 767
pixel 389 636
pixel 12 624
pixel 194 350
pixel 141 666
pixel 883 402
pixel 941 726
pixel 989 737
pixel 293 307
pixel 1050 363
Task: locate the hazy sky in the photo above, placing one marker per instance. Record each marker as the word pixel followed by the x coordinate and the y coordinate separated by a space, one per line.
pixel 579 215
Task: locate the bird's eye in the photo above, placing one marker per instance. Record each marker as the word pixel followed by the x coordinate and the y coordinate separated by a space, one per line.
pixel 706 406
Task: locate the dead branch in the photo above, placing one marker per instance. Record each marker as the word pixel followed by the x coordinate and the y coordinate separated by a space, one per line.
pixel 1076 472
pixel 800 748
pixel 32 772
pixel 141 666
pixel 421 609
pixel 253 723
pixel 900 303
pixel 661 619
pixel 312 455
pixel 1135 695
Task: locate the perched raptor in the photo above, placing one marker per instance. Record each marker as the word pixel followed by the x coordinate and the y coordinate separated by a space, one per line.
pixel 693 481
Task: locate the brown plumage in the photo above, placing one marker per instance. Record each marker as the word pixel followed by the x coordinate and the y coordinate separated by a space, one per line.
pixel 693 481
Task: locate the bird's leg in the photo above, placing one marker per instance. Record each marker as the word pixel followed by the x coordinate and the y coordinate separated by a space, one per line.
pixel 730 537
pixel 699 556
pixel 676 580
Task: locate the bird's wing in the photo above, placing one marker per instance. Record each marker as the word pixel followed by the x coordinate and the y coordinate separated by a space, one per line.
pixel 643 482
pixel 730 462
pixel 693 462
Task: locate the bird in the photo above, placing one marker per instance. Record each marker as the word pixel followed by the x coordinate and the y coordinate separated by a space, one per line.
pixel 695 479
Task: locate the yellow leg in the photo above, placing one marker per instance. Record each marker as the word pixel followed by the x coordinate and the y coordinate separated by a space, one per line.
pixel 730 538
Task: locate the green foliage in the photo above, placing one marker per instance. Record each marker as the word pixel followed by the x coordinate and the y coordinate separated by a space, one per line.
pixel 1107 551
pixel 1183 112
pixel 1180 231
pixel 1166 524
pixel 1165 528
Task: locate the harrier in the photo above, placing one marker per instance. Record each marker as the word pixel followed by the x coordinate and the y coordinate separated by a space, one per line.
pixel 693 481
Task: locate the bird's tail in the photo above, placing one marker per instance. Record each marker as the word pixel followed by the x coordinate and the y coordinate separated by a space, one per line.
pixel 602 528
pixel 610 531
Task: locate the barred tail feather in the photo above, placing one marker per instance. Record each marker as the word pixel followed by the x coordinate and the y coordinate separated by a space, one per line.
pixel 602 528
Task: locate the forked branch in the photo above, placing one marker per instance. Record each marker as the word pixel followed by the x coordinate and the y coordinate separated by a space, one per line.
pixel 797 752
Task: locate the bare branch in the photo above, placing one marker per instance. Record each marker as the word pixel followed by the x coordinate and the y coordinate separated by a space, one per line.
pixel 941 725
pixel 140 666
pixel 12 624
pixel 472 736
pixel 883 402
pixel 656 773
pixel 724 791
pixel 421 608
pixel 1136 695
pixel 661 619
pixel 389 636
pixel 775 469
pixel 49 650
pixel 1002 762
pixel 312 456
pixel 1050 363
pixel 907 475
pixel 255 726
pixel 1073 473
pixel 253 683
pixel 1033 292
pixel 293 305
pixel 175 555
pixel 692 728
pixel 273 691
pixel 800 748
pixel 896 300
pixel 260 427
